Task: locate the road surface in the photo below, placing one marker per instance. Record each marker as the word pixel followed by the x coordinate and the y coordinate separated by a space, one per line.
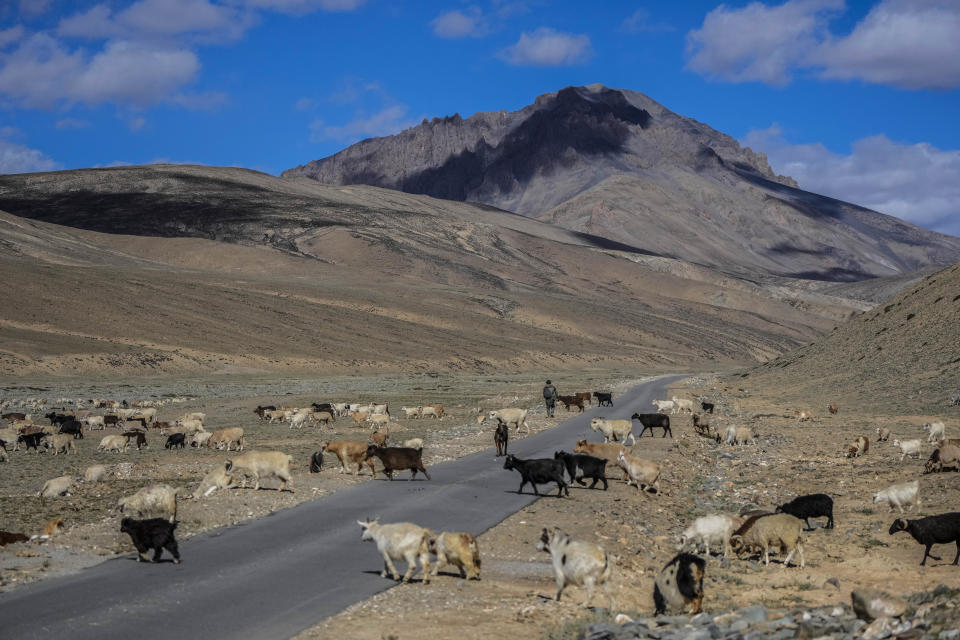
pixel 279 575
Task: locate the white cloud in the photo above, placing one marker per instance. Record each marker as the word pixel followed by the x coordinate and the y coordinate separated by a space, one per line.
pixel 915 182
pixel 457 24
pixel 639 21
pixel 34 7
pixel 16 158
pixel 548 47
pixel 41 73
pixel 758 42
pixel 153 19
pixel 11 35
pixel 304 104
pixel 72 123
pixel 910 44
pixel 385 122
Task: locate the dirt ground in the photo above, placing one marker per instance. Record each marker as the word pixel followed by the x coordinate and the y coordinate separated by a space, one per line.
pixel 89 512
pixel 514 596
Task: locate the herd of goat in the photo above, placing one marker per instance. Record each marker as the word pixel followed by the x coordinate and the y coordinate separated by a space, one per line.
pixel 149 516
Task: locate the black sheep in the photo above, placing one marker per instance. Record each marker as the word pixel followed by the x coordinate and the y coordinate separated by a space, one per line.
pixel 939 529
pixel 707 407
pixel 581 465
pixel 31 440
pixel 817 505
pixel 154 533
pixel 316 462
pixel 679 587
pixel 538 471
pixel 175 440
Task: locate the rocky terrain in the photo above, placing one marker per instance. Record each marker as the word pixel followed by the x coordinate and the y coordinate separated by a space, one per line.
pixel 617 164
pixel 178 269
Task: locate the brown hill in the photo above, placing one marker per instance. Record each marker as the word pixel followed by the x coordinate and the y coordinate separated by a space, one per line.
pixel 619 165
pixel 902 357
pixel 292 275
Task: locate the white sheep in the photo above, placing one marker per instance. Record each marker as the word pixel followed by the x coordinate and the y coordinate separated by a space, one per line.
pixel 683 405
pixel 414 443
pixel 714 528
pixel 510 416
pixel 153 501
pixel 897 495
pixel 56 487
pixel 615 430
pixel 663 405
pixel 780 530
pixel 577 563
pixel 936 430
pixel 262 463
pixel 909 448
pixel 400 541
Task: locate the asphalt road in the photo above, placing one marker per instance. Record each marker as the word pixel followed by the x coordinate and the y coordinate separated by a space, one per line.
pixel 274 577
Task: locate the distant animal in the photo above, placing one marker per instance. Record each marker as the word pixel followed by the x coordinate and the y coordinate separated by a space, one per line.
pixel 701 425
pixel 712 528
pixel 175 440
pixel 939 529
pixel 652 421
pixel 803 416
pixel 72 427
pixel 883 434
pixel 260 464
pixel 316 462
pixel 398 459
pixel 683 405
pixel 379 438
pixel 604 398
pixel 56 487
pixel 707 407
pixel 581 465
pixel 138 437
pixel 898 495
pixel 61 443
pixel 859 447
pixel 833 409
pixel 679 587
pixel 349 451
pixel 571 401
pixel 538 471
pixel 780 530
pixel 909 448
pixel 936 430
pixel 30 441
pixel 817 505
pixel 400 541
pixel 645 474
pixel 155 500
pixel 510 416
pixel 946 455
pixel 608 452
pixel 615 430
pixel 501 436
pixel 663 405
pixel 7 537
pixel 586 396
pixel 577 563
pixel 154 533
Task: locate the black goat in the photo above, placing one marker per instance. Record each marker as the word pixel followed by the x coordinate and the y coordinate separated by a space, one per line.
pixel 816 505
pixel 154 533
pixel 500 438
pixel 707 407
pixel 538 471
pixel 73 427
pixel 939 529
pixel 316 462
pixel 175 440
pixel 31 440
pixel 580 465
pixel 603 398
pixel 653 420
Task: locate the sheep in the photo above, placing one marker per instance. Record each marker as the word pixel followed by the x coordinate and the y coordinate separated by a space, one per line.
pixel 95 473
pixel 859 447
pixel 803 416
pixel 379 438
pixel 817 505
pixel 897 495
pixel 936 430
pixel 616 430
pixel 909 448
pixel 262 463
pixel 349 450
pixel 411 412
pixel 155 500
pixel 225 438
pixel 663 405
pixel 883 434
pixel 833 409
pixel 217 478
pixel 174 441
pixel 113 443
pixel 200 438
pixel 946 455
pixel 379 420
pixel 682 405
pixel 61 444
pixel 95 422
pixel 188 427
pixel 382 409
pixel 679 587
pixel 154 533
pixel 458 549
pixel 510 416
pixel 781 529
pixel 322 417
pixel 577 563
pixel 56 487
pixel 744 436
pixel 938 529
pixel 196 415
pixel 413 443
pixel 714 528
pixel 400 541
pixel 359 417
pixel 643 473
pixel 299 418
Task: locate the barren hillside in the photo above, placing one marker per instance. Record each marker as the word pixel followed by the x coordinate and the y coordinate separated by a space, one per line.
pixel 278 274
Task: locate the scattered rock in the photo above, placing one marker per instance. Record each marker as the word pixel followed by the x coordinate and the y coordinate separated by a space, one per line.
pixel 872 604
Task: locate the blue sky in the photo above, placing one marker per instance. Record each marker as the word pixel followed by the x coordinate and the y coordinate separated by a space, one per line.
pixel 858 100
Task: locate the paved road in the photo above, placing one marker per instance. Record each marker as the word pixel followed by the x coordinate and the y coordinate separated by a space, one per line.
pixel 274 577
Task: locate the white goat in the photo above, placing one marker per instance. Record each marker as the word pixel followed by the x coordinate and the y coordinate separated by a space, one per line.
pixel 898 495
pixel 400 541
pixel 909 448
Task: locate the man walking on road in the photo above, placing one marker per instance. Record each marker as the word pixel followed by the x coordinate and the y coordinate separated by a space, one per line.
pixel 550 397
